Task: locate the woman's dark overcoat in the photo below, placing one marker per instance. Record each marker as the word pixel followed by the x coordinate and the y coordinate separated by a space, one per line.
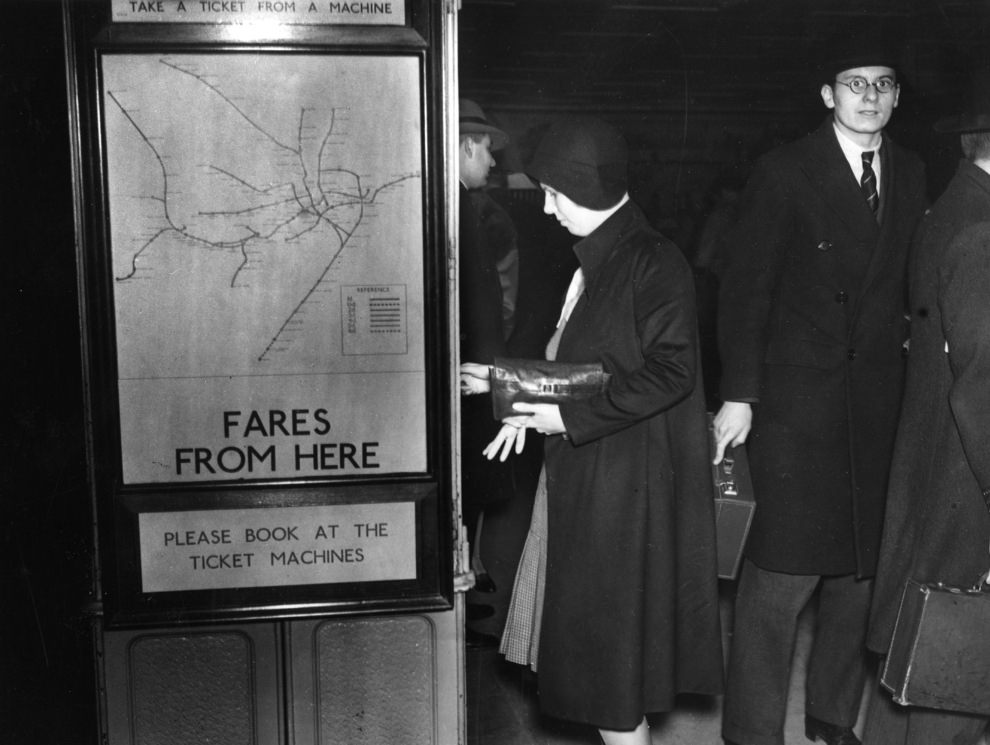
pixel 631 609
pixel 812 326
pixel 937 526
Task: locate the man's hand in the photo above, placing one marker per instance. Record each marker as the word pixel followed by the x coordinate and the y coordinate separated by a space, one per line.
pixel 732 425
pixel 474 379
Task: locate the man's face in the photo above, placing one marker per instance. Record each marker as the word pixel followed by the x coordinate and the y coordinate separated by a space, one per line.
pixel 861 115
pixel 476 161
pixel 579 221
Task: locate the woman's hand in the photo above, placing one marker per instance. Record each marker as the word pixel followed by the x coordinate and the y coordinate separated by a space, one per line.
pixel 732 424
pixel 474 379
pixel 544 418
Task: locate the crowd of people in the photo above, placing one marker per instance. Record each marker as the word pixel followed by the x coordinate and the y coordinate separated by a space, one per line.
pixel 853 364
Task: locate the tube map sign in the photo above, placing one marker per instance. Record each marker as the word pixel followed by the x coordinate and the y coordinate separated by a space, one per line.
pixel 266 220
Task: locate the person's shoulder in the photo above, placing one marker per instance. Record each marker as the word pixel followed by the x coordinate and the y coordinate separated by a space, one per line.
pixel 964 255
pixel 975 236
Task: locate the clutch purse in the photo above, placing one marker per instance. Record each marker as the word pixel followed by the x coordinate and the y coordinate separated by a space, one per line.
pixel 939 654
pixel 542 381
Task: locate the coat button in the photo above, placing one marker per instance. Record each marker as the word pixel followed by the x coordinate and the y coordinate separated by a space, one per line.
pixel 851 354
pixel 825 245
pixel 842 297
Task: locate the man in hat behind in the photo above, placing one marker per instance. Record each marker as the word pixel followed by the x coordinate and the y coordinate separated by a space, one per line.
pixel 811 332
pixel 937 526
pixel 481 335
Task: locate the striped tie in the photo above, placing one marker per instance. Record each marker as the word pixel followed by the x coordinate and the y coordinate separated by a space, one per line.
pixel 868 183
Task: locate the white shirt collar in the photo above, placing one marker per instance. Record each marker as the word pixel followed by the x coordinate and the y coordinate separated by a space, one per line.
pixel 854 156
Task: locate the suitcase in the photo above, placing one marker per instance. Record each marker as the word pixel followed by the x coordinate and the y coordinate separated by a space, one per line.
pixel 734 506
pixel 939 654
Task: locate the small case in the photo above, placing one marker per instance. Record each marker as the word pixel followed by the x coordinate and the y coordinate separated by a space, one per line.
pixel 939 655
pixel 734 505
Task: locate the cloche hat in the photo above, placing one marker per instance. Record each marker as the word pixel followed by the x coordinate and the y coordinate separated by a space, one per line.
pixel 585 159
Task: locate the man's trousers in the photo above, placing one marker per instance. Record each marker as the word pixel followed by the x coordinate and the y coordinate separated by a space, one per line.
pixel 761 651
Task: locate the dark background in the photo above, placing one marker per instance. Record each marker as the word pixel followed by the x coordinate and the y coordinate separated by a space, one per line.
pixel 700 87
pixel 46 659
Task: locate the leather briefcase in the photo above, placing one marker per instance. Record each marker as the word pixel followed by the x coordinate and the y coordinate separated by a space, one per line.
pixel 542 381
pixel 939 655
pixel 734 505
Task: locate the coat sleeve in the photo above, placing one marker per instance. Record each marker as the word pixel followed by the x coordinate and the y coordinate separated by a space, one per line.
pixel 753 255
pixel 666 329
pixel 963 292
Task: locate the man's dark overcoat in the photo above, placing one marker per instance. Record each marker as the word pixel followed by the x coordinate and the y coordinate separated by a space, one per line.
pixel 631 608
pixel 937 527
pixel 481 340
pixel 812 326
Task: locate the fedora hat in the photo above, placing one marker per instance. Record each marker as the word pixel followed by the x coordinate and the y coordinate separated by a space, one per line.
pixel 976 117
pixel 474 122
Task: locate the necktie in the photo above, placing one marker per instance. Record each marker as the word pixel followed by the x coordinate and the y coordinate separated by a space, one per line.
pixel 868 182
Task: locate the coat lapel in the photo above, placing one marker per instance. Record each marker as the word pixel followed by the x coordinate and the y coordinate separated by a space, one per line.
pixel 888 218
pixel 829 170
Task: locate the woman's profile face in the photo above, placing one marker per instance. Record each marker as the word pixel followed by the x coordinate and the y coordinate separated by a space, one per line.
pixel 578 220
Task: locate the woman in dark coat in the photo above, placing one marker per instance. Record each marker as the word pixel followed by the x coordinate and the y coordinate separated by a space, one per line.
pixel 629 614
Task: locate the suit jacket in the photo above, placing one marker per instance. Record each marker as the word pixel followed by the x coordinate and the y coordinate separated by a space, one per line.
pixel 937 526
pixel 630 614
pixel 812 326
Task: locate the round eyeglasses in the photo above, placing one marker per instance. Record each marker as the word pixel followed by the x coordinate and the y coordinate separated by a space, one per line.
pixel 859 85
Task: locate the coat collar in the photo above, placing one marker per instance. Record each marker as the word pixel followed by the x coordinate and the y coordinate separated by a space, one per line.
pixel 594 250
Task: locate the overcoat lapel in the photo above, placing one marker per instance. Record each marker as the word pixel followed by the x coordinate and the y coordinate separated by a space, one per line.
pixel 828 169
pixel 886 240
pixel 888 218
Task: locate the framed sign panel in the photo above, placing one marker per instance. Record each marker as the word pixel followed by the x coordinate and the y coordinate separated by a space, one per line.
pixel 265 313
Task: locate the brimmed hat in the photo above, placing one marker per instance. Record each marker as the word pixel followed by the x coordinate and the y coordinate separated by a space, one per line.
pixel 865 46
pixel 474 121
pixel 585 159
pixel 976 118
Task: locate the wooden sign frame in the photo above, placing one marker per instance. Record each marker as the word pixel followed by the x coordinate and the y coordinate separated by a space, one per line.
pixel 264 310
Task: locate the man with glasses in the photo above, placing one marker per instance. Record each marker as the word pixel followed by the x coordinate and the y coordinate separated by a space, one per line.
pixel 812 331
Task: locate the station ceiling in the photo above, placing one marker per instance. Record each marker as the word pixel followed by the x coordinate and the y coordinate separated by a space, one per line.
pixel 709 55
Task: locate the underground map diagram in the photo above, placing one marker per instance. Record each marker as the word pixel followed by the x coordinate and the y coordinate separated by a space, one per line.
pixel 265 213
